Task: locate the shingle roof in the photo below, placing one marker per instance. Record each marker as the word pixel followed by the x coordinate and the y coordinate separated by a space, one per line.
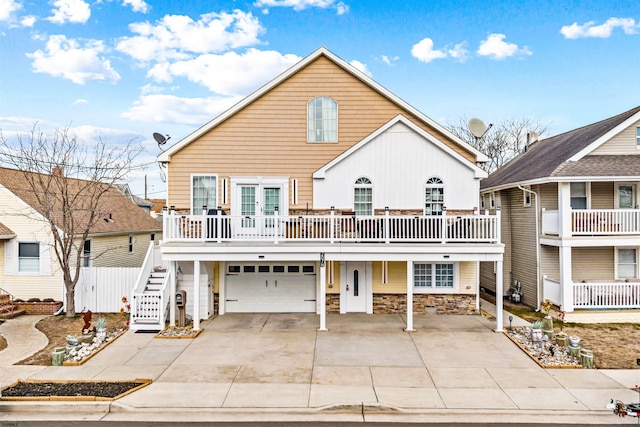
pixel 549 157
pixel 5 232
pixel 117 213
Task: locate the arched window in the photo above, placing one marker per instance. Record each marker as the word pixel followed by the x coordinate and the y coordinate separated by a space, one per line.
pixel 322 120
pixel 363 196
pixel 434 196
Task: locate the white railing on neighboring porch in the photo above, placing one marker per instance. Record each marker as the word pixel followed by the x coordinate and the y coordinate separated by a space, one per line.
pixel 552 290
pixel 614 295
pixel 594 222
pixel 332 228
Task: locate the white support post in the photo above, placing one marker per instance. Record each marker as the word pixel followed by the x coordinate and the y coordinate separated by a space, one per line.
pixel 410 297
pixel 564 209
pixel 196 295
pixel 172 296
pixel 566 281
pixel 323 294
pixel 499 297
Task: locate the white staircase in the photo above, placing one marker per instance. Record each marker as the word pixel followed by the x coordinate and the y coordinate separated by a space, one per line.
pixel 150 297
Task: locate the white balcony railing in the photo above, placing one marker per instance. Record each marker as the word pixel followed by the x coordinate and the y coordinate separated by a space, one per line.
pixel 616 295
pixel 594 222
pixel 332 228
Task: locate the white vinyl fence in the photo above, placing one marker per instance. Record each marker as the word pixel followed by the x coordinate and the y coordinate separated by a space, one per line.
pixel 100 289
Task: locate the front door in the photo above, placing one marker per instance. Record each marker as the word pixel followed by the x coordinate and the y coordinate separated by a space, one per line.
pixel 257 200
pixel 355 287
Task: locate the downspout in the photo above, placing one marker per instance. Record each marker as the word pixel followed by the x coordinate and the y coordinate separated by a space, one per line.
pixel 538 300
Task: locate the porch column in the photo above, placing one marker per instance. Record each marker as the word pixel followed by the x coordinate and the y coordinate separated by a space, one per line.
pixel 566 282
pixel 499 297
pixel 322 298
pixel 172 289
pixel 196 295
pixel 410 297
pixel 564 209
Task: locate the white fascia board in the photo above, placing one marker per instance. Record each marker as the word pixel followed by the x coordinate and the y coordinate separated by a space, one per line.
pixel 165 157
pixel 560 179
pixel 604 138
pixel 479 172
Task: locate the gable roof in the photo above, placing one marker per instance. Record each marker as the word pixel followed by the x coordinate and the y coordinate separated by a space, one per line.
pixel 119 215
pixel 320 173
pixel 6 233
pixel 166 155
pixel 565 155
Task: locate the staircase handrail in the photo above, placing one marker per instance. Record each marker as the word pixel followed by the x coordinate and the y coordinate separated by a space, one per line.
pixel 143 275
pixel 165 298
pixel 11 296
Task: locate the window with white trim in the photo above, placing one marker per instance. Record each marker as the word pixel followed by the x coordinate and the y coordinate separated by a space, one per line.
pixel 526 196
pixel 434 196
pixel 322 120
pixel 363 196
pixel 204 191
pixel 86 253
pixel 29 257
pixel 578 195
pixel 627 260
pixel 434 275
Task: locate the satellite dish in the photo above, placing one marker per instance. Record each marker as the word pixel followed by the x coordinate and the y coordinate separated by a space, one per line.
pixel 160 139
pixel 478 128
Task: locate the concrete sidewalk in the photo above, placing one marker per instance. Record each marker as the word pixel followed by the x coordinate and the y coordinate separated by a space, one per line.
pixel 264 367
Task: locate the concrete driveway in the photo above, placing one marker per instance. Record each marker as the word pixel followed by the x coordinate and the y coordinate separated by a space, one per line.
pixel 279 362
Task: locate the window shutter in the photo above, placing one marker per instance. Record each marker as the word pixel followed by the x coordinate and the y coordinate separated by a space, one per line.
pixel 45 259
pixel 10 259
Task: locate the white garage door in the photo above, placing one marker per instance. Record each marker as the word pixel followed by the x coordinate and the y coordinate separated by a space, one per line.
pixel 271 288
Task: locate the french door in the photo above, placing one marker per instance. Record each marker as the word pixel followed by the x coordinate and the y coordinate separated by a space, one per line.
pixel 259 201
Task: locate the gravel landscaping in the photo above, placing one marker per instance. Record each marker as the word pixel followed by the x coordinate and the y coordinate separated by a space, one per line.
pixel 69 389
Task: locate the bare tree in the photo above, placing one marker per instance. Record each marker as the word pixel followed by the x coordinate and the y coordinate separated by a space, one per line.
pixel 68 183
pixel 504 140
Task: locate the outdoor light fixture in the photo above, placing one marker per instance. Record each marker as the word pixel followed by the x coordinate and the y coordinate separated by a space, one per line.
pixel 510 320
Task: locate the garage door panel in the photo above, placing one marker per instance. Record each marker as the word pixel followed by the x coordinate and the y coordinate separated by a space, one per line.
pixel 261 292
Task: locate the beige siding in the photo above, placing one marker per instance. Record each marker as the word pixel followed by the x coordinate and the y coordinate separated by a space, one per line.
pixel 468 277
pixel 113 251
pixel 592 264
pixel 602 195
pixel 397 278
pixel 550 262
pixel 269 137
pixel 487 269
pixel 623 143
pixel 548 195
pixel 523 246
pixel 334 288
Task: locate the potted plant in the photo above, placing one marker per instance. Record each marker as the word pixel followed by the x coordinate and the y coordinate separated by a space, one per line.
pixel 536 331
pixel 101 328
pixel 547 321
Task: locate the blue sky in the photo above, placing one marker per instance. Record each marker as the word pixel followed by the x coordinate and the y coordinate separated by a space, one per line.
pixel 123 69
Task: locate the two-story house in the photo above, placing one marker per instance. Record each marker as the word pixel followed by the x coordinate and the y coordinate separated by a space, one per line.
pixel 28 265
pixel 571 223
pixel 321 192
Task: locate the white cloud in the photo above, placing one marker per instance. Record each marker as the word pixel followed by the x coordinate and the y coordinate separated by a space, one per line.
pixel 76 11
pixel 361 67
pixel 28 21
pixel 495 47
pixel 7 7
pixel 387 60
pixel 340 7
pixel 228 74
pixel 589 29
pixel 80 101
pixel 137 5
pixel 178 37
pixel 66 58
pixel 173 109
pixel 424 51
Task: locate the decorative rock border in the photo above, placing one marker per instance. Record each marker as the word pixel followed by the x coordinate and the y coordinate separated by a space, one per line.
pixel 173 332
pixel 535 359
pixel 143 382
pixel 96 351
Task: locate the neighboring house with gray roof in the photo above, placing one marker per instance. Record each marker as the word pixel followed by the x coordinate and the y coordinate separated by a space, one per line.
pixel 571 221
pixel 28 265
